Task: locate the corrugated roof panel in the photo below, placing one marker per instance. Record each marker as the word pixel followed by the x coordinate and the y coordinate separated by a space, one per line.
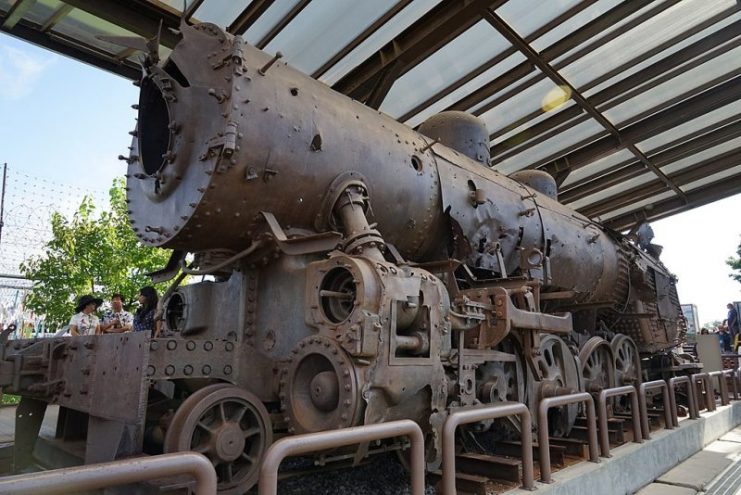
pixel 323 28
pixel 613 191
pixel 378 39
pixel 268 20
pixel 41 10
pixel 219 12
pixel 712 178
pixel 733 109
pixel 642 38
pixel 85 27
pixel 638 205
pixel 526 16
pixel 570 25
pixel 709 153
pixel 472 48
pixel 596 167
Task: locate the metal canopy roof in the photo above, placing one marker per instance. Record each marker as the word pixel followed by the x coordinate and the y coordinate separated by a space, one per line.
pixel 634 106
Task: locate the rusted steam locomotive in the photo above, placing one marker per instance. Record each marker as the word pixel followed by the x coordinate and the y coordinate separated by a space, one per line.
pixel 361 272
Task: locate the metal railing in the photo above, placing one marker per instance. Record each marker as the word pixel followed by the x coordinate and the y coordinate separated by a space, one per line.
pixel 732 374
pixel 709 393
pixel 692 406
pixel 604 438
pixel 544 452
pixel 668 416
pixel 475 415
pixel 313 442
pixel 722 387
pixel 97 476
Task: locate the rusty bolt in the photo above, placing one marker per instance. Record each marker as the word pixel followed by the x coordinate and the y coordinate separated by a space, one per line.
pixel 227 370
pixel 172 345
pixel 188 370
pixel 169 370
pixel 208 345
pixel 151 370
pixel 206 370
pixel 229 347
pixel 190 345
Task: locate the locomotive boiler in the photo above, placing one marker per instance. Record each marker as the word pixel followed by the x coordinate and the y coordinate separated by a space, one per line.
pixel 359 272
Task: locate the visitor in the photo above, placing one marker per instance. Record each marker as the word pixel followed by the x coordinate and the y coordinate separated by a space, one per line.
pixel 116 319
pixel 734 326
pixel 144 317
pixel 84 322
pixel 724 338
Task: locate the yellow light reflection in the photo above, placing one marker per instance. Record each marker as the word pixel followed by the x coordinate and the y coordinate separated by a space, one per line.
pixel 555 98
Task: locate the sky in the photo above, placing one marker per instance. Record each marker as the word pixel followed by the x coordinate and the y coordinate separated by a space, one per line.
pixel 67 122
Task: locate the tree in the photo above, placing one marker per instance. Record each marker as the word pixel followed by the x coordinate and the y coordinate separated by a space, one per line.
pixel 90 253
pixel 735 264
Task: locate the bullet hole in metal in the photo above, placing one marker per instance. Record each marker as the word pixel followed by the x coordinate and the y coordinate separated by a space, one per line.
pixel 294 91
pixel 316 143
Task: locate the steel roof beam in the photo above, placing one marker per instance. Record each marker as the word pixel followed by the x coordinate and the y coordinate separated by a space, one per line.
pixel 696 197
pixel 432 31
pixel 188 14
pixel 249 15
pixel 138 16
pixel 535 58
pixel 699 51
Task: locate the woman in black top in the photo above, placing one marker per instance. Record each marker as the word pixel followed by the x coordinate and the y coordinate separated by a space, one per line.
pixel 144 316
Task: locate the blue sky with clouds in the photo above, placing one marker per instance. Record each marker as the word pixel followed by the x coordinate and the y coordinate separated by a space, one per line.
pixel 68 122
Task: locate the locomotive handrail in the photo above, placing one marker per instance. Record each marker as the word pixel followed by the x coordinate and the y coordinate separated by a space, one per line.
pixel 95 476
pixel 474 415
pixel 313 442
pixel 723 388
pixel 692 407
pixel 602 413
pixel 709 393
pixel 668 417
pixel 543 442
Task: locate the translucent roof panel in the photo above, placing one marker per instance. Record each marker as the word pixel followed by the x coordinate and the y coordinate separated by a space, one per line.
pixel 472 85
pixel 525 16
pixel 684 82
pixel 597 167
pixel 175 4
pixel 42 10
pixel 220 12
pixel 642 38
pixel 615 190
pixel 667 52
pixel 688 162
pixel 80 25
pixel 378 39
pixel 268 20
pixel 584 132
pixel 638 205
pixel 570 25
pixel 691 126
pixel 729 172
pixel 466 52
pixel 323 28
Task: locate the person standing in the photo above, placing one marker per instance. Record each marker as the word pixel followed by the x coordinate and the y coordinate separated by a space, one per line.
pixel 116 319
pixel 84 322
pixel 144 317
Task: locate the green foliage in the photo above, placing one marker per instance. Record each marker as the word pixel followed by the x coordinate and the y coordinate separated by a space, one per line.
pixel 10 400
pixel 735 264
pixel 90 253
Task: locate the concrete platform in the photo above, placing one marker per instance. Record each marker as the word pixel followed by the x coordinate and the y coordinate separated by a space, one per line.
pixel 635 466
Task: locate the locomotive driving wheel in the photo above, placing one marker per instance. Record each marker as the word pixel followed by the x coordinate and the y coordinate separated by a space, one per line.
pixel 597 365
pixel 319 388
pixel 627 361
pixel 228 425
pixel 560 376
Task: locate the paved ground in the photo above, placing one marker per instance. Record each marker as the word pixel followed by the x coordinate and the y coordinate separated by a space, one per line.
pixel 715 470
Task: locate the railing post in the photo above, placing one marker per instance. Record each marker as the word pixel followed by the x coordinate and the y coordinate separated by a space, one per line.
pixel 722 387
pixel 692 406
pixel 544 442
pixel 709 393
pixel 602 415
pixel 734 382
pixel 313 442
pixel 668 418
pixel 474 415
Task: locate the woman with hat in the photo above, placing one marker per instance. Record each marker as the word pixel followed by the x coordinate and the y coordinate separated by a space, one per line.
pixel 84 322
